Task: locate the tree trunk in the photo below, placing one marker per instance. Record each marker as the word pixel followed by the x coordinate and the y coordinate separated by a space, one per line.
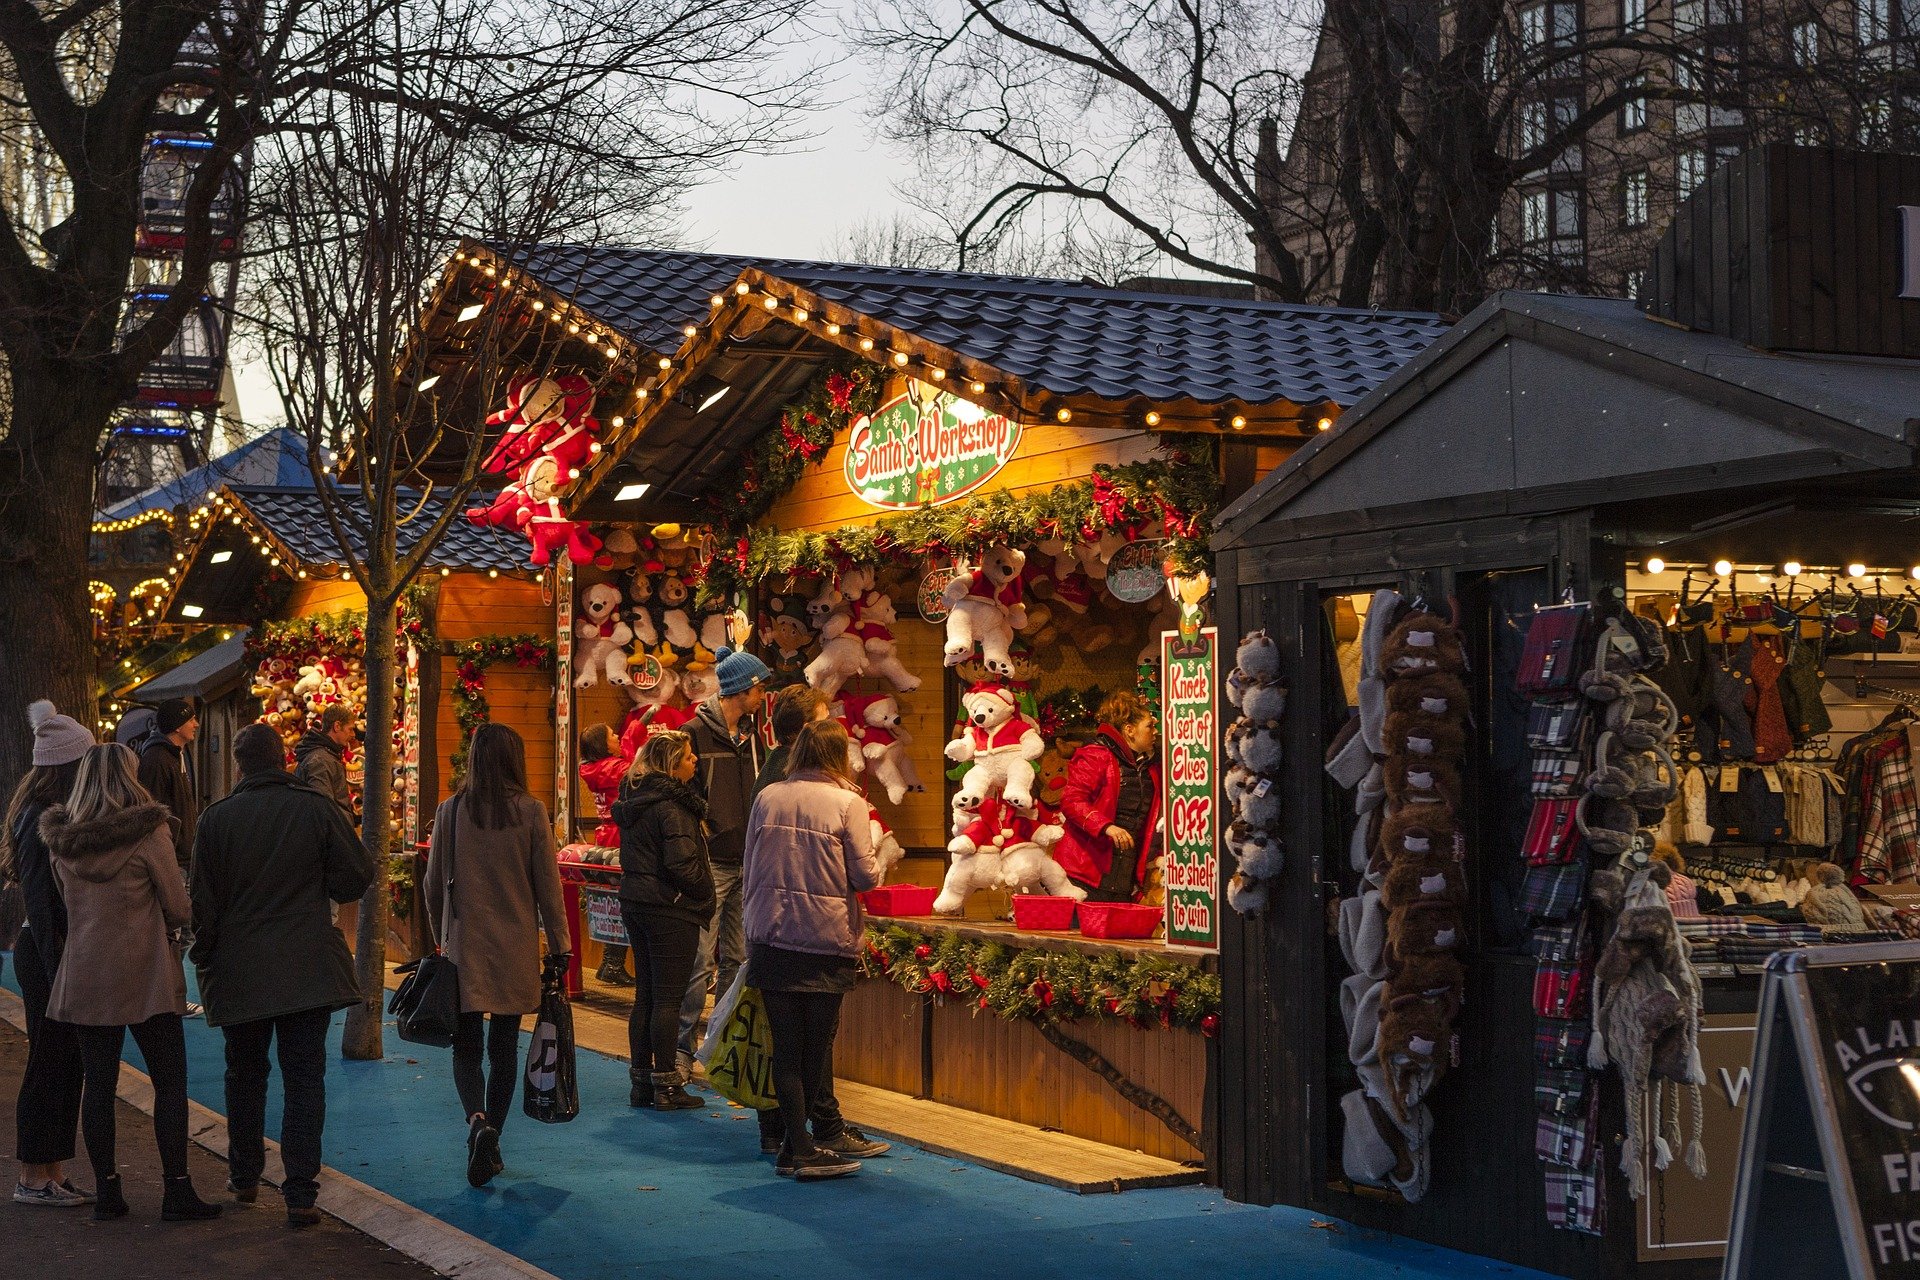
pixel 46 516
pixel 362 1037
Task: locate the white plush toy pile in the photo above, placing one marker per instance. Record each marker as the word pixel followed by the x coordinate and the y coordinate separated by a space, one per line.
pixel 1252 782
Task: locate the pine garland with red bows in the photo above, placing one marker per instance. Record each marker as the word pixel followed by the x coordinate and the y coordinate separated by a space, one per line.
pixel 844 390
pixel 1044 986
pixel 471 660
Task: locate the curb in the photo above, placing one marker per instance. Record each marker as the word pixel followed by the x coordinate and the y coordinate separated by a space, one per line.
pixel 394 1223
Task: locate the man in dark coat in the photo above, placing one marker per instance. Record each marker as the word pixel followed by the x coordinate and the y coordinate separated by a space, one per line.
pixel 268 860
pixel 320 757
pixel 164 772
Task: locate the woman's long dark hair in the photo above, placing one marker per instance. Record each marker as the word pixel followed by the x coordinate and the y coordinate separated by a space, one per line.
pixel 41 787
pixel 496 775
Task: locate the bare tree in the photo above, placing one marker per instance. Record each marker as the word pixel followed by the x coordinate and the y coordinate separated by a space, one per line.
pixel 584 120
pixel 930 238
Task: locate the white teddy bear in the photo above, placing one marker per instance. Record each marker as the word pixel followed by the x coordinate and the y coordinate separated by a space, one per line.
pixel 603 637
pixel 985 608
pixel 873 725
pixel 842 656
pixel 1003 847
pixel 1027 864
pixel 886 848
pixel 871 616
pixel 1001 743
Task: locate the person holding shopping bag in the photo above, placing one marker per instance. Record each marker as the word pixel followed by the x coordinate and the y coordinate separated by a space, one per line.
pixel 666 898
pixel 114 857
pixel 809 854
pixel 492 882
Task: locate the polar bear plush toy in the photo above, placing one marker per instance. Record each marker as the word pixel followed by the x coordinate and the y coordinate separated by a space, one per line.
pixel 1001 743
pixel 886 847
pixel 871 618
pixel 1027 864
pixel 873 723
pixel 603 635
pixel 984 609
pixel 842 656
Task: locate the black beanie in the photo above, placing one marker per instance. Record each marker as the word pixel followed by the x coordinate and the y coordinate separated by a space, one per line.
pixel 258 749
pixel 173 713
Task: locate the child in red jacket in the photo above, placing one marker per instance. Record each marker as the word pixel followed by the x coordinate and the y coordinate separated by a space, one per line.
pixel 1111 805
pixel 604 762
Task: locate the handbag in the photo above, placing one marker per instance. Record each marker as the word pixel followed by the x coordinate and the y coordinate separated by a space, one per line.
pixel 426 1007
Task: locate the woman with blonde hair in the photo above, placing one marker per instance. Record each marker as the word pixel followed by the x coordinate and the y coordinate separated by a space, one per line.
pixel 809 856
pixel 666 898
pixel 492 882
pixel 112 848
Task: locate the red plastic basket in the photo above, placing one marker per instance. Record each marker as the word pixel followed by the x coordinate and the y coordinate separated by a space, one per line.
pixel 900 900
pixel 1118 919
pixel 1042 911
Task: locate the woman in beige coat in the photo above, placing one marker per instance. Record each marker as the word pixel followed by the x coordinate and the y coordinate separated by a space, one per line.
pixel 492 881
pixel 112 852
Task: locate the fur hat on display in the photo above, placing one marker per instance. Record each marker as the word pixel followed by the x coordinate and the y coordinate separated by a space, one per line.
pixel 1422 643
pixel 1422 928
pixel 1434 693
pixel 1421 780
pixel 1418 735
pixel 1435 879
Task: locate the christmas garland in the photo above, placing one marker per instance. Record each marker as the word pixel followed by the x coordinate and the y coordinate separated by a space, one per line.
pixel 471 659
pixel 1178 492
pixel 312 636
pixel 846 389
pixel 1069 708
pixel 1044 986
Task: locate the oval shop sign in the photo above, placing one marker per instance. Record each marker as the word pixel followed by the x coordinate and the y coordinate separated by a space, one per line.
pixel 926 447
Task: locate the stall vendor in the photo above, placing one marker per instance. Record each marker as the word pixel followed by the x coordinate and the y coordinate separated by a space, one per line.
pixel 603 766
pixel 1111 806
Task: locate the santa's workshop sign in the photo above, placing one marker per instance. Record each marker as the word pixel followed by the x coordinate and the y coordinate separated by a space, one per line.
pixel 1190 781
pixel 926 446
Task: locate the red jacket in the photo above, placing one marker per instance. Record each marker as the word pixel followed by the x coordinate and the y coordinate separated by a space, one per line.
pixel 1088 806
pixel 603 778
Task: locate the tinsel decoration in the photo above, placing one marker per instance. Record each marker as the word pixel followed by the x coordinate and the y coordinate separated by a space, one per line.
pixel 1044 986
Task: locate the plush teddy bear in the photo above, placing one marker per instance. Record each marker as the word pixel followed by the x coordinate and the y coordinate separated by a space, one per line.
pixel 984 609
pixel 886 846
pixel 715 631
pixel 788 636
pixel 1050 775
pixel 538 410
pixel 656 708
pixel 842 656
pixel 1001 744
pixel 873 725
pixel 603 637
pixel 678 640
pixel 313 678
pixel 531 505
pixel 699 684
pixel 871 618
pixel 620 548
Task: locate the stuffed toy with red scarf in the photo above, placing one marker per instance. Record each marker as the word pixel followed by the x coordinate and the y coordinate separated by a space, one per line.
pixel 1001 743
pixel 539 411
pixel 603 637
pixel 873 725
pixel 531 505
pixel 985 608
pixel 842 654
pixel 871 616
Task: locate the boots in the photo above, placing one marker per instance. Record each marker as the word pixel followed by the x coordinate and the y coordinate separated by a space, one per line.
pixel 670 1093
pixel 108 1202
pixel 614 973
pixel 180 1204
pixel 641 1092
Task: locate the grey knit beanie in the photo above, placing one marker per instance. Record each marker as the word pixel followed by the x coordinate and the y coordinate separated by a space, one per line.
pixel 57 739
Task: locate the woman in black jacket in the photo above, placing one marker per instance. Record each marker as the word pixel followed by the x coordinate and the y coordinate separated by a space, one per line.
pixel 666 898
pixel 48 1109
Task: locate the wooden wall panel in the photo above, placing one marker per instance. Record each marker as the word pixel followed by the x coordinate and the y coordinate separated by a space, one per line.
pixel 312 596
pixel 879 1039
pixel 473 605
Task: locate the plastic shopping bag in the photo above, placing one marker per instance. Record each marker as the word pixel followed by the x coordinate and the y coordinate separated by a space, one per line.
pixel 738 1051
pixel 552 1094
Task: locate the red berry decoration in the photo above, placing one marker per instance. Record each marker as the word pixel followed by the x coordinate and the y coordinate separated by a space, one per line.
pixel 922 952
pixel 1210 1025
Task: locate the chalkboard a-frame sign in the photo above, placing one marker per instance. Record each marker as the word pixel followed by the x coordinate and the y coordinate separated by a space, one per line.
pixel 1829 1181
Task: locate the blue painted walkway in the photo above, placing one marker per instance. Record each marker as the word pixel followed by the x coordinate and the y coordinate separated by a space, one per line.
pixel 688 1197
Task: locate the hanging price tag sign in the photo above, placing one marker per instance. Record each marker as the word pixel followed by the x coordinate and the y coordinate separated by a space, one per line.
pixel 1134 574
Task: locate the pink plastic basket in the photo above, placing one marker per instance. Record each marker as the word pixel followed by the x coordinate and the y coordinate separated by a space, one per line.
pixel 900 900
pixel 1042 911
pixel 1118 920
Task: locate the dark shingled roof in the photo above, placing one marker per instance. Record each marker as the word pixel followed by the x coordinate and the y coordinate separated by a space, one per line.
pixel 297 518
pixel 1054 335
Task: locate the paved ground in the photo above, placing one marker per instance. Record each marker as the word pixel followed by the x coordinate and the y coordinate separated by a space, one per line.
pixel 620 1193
pixel 244 1243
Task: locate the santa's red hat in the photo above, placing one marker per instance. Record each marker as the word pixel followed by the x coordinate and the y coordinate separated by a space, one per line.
pixel 999 691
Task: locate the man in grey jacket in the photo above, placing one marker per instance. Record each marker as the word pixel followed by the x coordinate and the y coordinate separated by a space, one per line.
pixel 267 861
pixel 321 755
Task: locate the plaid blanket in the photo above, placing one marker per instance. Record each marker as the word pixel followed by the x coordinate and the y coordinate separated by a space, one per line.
pixel 1573 1198
pixel 1561 1043
pixel 1559 1091
pixel 1555 893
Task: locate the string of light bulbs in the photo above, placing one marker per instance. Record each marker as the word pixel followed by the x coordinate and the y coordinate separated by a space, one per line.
pixel 1723 568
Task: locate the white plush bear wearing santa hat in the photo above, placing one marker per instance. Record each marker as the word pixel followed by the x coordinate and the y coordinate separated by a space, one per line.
pixel 873 724
pixel 603 637
pixel 1001 743
pixel 985 608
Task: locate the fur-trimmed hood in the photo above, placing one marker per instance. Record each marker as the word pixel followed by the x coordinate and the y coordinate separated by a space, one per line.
pixel 97 850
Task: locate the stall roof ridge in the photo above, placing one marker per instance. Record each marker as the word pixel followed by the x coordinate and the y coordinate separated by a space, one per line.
pixel 1862 410
pixel 298 518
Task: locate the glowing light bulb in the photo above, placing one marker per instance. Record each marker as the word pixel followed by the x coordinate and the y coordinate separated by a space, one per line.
pixel 1722 568
pixel 1656 565
pixel 1856 570
pixel 1791 568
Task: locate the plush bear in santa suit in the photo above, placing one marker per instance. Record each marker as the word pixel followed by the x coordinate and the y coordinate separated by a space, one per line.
pixel 842 655
pixel 984 609
pixel 531 505
pixel 873 725
pixel 539 411
pixel 870 618
pixel 1001 743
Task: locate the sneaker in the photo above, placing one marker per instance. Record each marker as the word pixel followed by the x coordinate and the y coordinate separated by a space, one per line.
pixel 48 1195
pixel 856 1145
pixel 245 1195
pixel 821 1164
pixel 483 1152
pixel 302 1216
pixel 86 1196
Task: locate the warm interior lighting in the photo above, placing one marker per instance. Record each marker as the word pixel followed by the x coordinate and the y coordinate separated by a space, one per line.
pixel 1856 570
pixel 631 492
pixel 1791 568
pixel 1656 565
pixel 220 557
pixel 191 611
pixel 1722 568
pixel 470 311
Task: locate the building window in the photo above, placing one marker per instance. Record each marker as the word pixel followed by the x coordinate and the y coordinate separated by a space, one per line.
pixel 1872 21
pixel 1633 198
pixel 1807 135
pixel 1533 125
pixel 1556 22
pixel 1806 43
pixel 1533 218
pixel 1633 108
pixel 1632 284
pixel 1688 73
pixel 1551 222
pixel 1633 15
pixel 1692 171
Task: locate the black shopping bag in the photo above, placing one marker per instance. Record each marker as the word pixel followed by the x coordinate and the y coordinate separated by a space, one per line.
pixel 552 1094
pixel 426 1008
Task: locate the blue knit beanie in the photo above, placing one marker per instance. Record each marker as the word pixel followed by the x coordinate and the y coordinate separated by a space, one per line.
pixel 738 672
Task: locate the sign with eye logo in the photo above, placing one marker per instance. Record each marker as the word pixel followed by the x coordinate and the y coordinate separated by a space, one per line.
pixel 1829 1181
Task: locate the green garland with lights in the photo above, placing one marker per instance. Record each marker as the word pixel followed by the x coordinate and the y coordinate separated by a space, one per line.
pixel 344 631
pixel 471 660
pixel 843 390
pixel 1044 986
pixel 1179 491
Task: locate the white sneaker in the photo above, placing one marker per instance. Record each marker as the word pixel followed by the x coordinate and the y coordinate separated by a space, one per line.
pixel 194 1010
pixel 50 1195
